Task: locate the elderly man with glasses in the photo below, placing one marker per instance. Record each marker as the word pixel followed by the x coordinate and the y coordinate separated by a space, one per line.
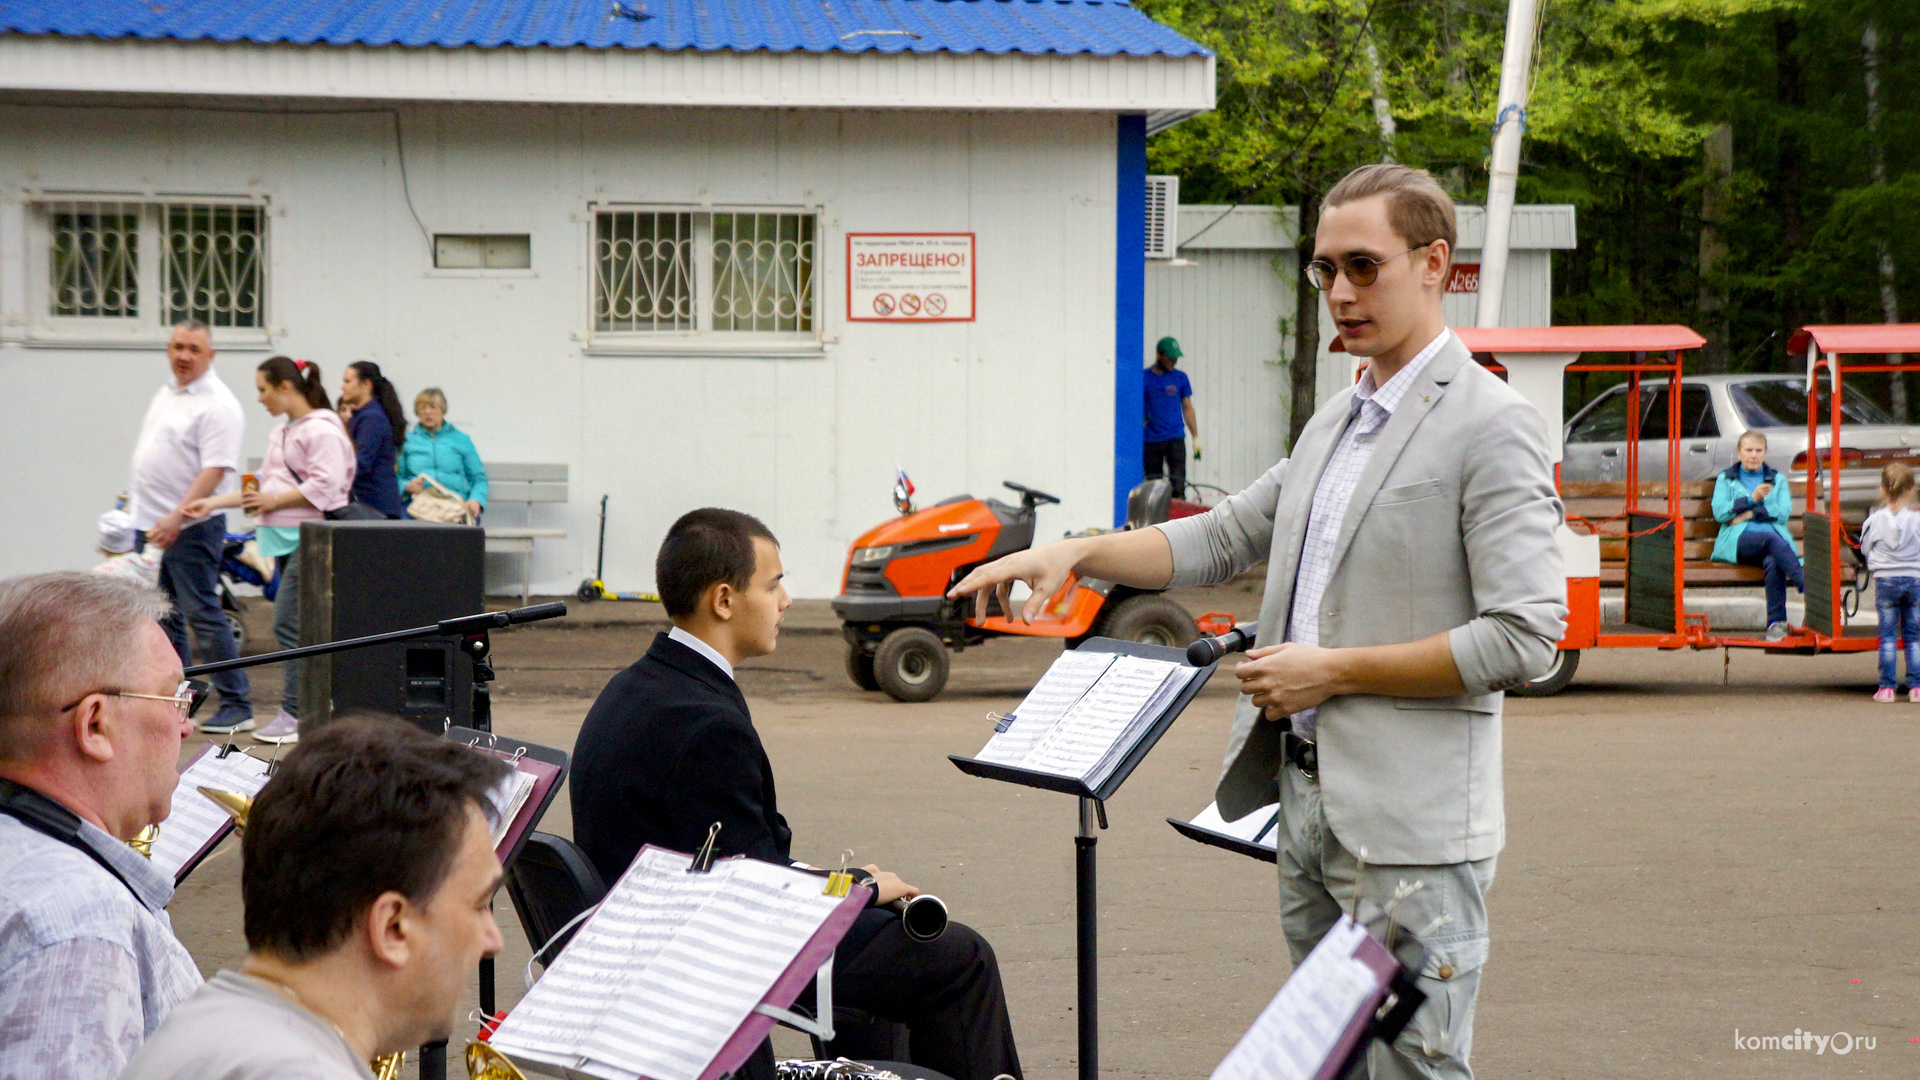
pixel 92 711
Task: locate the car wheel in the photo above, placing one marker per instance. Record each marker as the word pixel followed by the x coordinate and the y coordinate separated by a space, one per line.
pixel 1151 619
pixel 1565 663
pixel 860 668
pixel 911 664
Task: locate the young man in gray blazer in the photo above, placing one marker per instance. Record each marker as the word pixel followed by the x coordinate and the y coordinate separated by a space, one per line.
pixel 1412 577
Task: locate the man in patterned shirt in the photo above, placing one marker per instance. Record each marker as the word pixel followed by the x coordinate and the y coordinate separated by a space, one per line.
pixel 1413 575
pixel 92 711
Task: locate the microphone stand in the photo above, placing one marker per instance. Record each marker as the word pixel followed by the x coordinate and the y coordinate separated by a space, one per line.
pixel 473 631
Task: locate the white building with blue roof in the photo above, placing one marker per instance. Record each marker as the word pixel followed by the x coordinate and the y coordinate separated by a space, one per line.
pixel 701 252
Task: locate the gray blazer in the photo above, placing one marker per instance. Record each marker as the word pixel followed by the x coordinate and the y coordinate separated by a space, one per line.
pixel 1450 530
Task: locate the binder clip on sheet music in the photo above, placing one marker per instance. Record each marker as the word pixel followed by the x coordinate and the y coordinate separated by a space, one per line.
pixel 682 969
pixel 1351 990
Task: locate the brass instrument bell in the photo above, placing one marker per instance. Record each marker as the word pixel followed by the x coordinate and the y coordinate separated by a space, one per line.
pixel 235 804
pixel 486 1063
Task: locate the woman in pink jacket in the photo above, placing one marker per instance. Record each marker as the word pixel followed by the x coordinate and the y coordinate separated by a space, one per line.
pixel 308 470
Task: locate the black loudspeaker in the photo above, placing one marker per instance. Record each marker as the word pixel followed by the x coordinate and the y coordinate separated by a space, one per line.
pixel 371 577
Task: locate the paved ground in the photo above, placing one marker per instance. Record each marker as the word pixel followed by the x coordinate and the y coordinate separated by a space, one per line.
pixel 1686 858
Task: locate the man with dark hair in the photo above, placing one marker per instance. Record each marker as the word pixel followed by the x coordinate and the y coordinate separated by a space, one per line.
pixel 92 711
pixel 670 748
pixel 368 874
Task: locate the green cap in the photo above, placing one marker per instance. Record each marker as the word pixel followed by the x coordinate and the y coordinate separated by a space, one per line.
pixel 1168 347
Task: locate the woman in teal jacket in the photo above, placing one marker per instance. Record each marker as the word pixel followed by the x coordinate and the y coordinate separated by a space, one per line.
pixel 442 451
pixel 1752 505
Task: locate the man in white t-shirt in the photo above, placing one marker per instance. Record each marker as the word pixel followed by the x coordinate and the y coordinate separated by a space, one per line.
pixel 189 448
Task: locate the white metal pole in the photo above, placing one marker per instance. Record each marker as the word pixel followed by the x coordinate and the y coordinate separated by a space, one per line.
pixel 1515 63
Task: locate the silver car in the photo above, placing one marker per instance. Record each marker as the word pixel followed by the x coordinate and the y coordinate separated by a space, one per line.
pixel 1715 410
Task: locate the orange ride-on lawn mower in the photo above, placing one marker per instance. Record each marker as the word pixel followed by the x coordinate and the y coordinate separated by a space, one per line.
pixel 899 623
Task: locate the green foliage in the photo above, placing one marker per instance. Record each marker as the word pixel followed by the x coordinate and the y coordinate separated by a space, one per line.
pixel 1625 92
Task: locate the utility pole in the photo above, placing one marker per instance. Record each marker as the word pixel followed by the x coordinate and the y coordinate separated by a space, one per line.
pixel 1516 64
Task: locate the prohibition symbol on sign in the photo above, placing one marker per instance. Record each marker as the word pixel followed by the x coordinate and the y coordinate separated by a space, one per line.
pixel 909 304
pixel 936 304
pixel 883 304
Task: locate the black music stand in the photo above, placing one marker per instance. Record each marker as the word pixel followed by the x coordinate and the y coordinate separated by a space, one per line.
pixel 473 631
pixel 1093 805
pixel 524 823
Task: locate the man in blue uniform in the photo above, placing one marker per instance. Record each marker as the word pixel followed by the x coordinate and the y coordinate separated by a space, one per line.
pixel 1170 416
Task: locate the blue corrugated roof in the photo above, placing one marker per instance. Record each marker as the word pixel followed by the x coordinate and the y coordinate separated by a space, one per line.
pixel 1099 27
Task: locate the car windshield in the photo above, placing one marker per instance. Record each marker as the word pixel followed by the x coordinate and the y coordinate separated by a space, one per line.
pixel 1783 403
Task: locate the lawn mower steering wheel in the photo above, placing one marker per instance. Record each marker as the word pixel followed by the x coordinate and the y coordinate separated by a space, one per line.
pixel 1029 498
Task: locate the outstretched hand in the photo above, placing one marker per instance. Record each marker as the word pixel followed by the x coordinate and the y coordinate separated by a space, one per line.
pixel 1043 569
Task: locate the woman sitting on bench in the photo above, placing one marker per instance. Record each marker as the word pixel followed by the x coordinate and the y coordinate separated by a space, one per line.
pixel 1751 503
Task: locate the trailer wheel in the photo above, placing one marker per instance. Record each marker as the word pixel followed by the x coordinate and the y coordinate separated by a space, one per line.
pixel 911 664
pixel 239 628
pixel 860 668
pixel 1151 619
pixel 1565 663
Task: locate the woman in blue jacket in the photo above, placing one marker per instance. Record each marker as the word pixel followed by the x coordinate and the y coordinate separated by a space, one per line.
pixel 442 451
pixel 378 430
pixel 1752 505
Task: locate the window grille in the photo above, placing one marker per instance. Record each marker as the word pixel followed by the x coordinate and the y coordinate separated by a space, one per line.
pixel 763 272
pixel 95 260
pixel 643 271
pixel 720 273
pixel 202 260
pixel 212 265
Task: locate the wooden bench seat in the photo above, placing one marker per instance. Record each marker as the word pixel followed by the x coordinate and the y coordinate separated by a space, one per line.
pixel 1601 500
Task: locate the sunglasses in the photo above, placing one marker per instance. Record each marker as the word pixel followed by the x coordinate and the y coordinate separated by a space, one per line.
pixel 186 697
pixel 1362 270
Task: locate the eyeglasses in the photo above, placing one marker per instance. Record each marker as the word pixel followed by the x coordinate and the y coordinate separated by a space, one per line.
pixel 1362 270
pixel 186 697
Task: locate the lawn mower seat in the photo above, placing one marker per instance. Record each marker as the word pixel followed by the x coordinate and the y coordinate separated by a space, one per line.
pixel 1149 503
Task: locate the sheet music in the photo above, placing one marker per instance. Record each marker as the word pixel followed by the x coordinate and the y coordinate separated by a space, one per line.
pixel 1298 1029
pixel 507 798
pixel 1090 730
pixel 705 981
pixel 1065 683
pixel 669 967
pixel 1260 827
pixel 194 818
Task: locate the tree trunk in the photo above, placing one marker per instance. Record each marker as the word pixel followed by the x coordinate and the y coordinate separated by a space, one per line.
pixel 1304 373
pixel 1877 166
pixel 1713 247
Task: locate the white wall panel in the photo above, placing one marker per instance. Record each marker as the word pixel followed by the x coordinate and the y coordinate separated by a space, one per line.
pixel 1024 393
pixel 1226 310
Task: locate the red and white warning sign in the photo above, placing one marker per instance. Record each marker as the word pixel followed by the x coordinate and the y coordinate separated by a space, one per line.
pixel 910 277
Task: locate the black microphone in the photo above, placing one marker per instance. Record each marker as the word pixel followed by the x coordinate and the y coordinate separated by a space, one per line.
pixel 500 620
pixel 1209 650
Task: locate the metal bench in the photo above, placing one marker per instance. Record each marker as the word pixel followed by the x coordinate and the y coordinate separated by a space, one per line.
pixel 528 484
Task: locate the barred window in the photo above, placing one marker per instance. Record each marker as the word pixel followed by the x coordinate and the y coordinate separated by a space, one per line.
pixel 212 270
pixel 724 272
pixel 156 263
pixel 95 257
pixel 643 263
